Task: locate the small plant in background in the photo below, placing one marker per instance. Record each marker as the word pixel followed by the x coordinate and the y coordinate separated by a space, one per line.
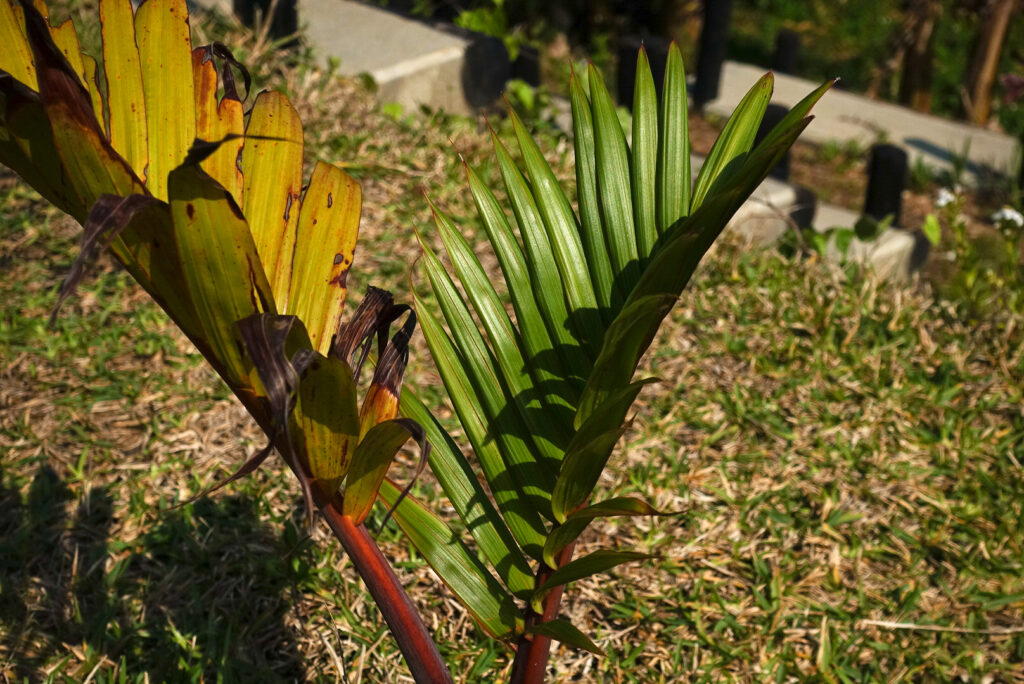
pixel 988 275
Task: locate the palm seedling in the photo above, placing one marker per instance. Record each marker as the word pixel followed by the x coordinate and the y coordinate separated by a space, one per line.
pixel 208 213
pixel 543 392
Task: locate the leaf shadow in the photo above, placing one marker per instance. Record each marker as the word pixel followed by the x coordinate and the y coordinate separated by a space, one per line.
pixel 203 593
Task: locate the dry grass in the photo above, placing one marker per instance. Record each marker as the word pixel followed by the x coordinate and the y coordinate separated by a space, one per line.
pixel 844 456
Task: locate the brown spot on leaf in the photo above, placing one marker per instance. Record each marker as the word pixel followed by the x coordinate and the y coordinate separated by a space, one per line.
pixel 190 209
pixel 288 207
pixel 338 258
pixel 330 200
pixel 341 280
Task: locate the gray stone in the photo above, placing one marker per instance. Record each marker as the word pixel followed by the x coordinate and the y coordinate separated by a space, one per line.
pixel 412 64
pixel 842 117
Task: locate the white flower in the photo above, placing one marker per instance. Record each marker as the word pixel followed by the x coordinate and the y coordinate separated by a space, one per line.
pixel 1008 215
pixel 944 197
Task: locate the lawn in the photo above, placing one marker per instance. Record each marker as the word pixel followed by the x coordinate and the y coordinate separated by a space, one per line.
pixel 845 457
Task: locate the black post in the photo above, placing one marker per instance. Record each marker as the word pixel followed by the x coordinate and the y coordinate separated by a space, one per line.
pixel 887 177
pixel 772 117
pixel 714 42
pixel 787 52
pixel 526 66
pixel 284 23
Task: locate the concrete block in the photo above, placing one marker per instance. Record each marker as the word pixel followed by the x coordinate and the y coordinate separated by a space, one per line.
pixel 412 64
pixel 896 254
pixel 767 214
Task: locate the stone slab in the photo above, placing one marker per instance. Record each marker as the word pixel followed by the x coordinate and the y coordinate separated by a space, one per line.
pixel 412 63
pixel 841 116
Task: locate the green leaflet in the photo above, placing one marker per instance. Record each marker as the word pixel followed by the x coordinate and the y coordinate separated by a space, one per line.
pixel 673 178
pixel 670 269
pixel 541 356
pixel 735 140
pixel 624 344
pixel 613 184
pixel 545 279
pixel 796 115
pixel 592 232
pixel 533 477
pixel 645 157
pixel 590 448
pixel 549 436
pixel 563 236
pixel 567 633
pixel 596 562
pixel 523 519
pixel 470 500
pixel 573 527
pixel 492 607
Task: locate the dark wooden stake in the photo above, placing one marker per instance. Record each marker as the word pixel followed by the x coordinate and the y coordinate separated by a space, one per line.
pixel 714 41
pixel 787 52
pixel 887 177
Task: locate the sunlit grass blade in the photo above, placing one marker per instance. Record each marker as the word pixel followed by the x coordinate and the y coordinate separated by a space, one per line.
pixel 541 356
pixel 609 298
pixel 324 250
pixel 599 561
pixel 165 57
pixel 470 501
pixel 523 518
pixel 735 139
pixel 644 159
pixel 492 607
pixel 613 183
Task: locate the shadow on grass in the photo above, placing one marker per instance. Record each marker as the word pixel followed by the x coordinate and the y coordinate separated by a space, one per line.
pixel 202 594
